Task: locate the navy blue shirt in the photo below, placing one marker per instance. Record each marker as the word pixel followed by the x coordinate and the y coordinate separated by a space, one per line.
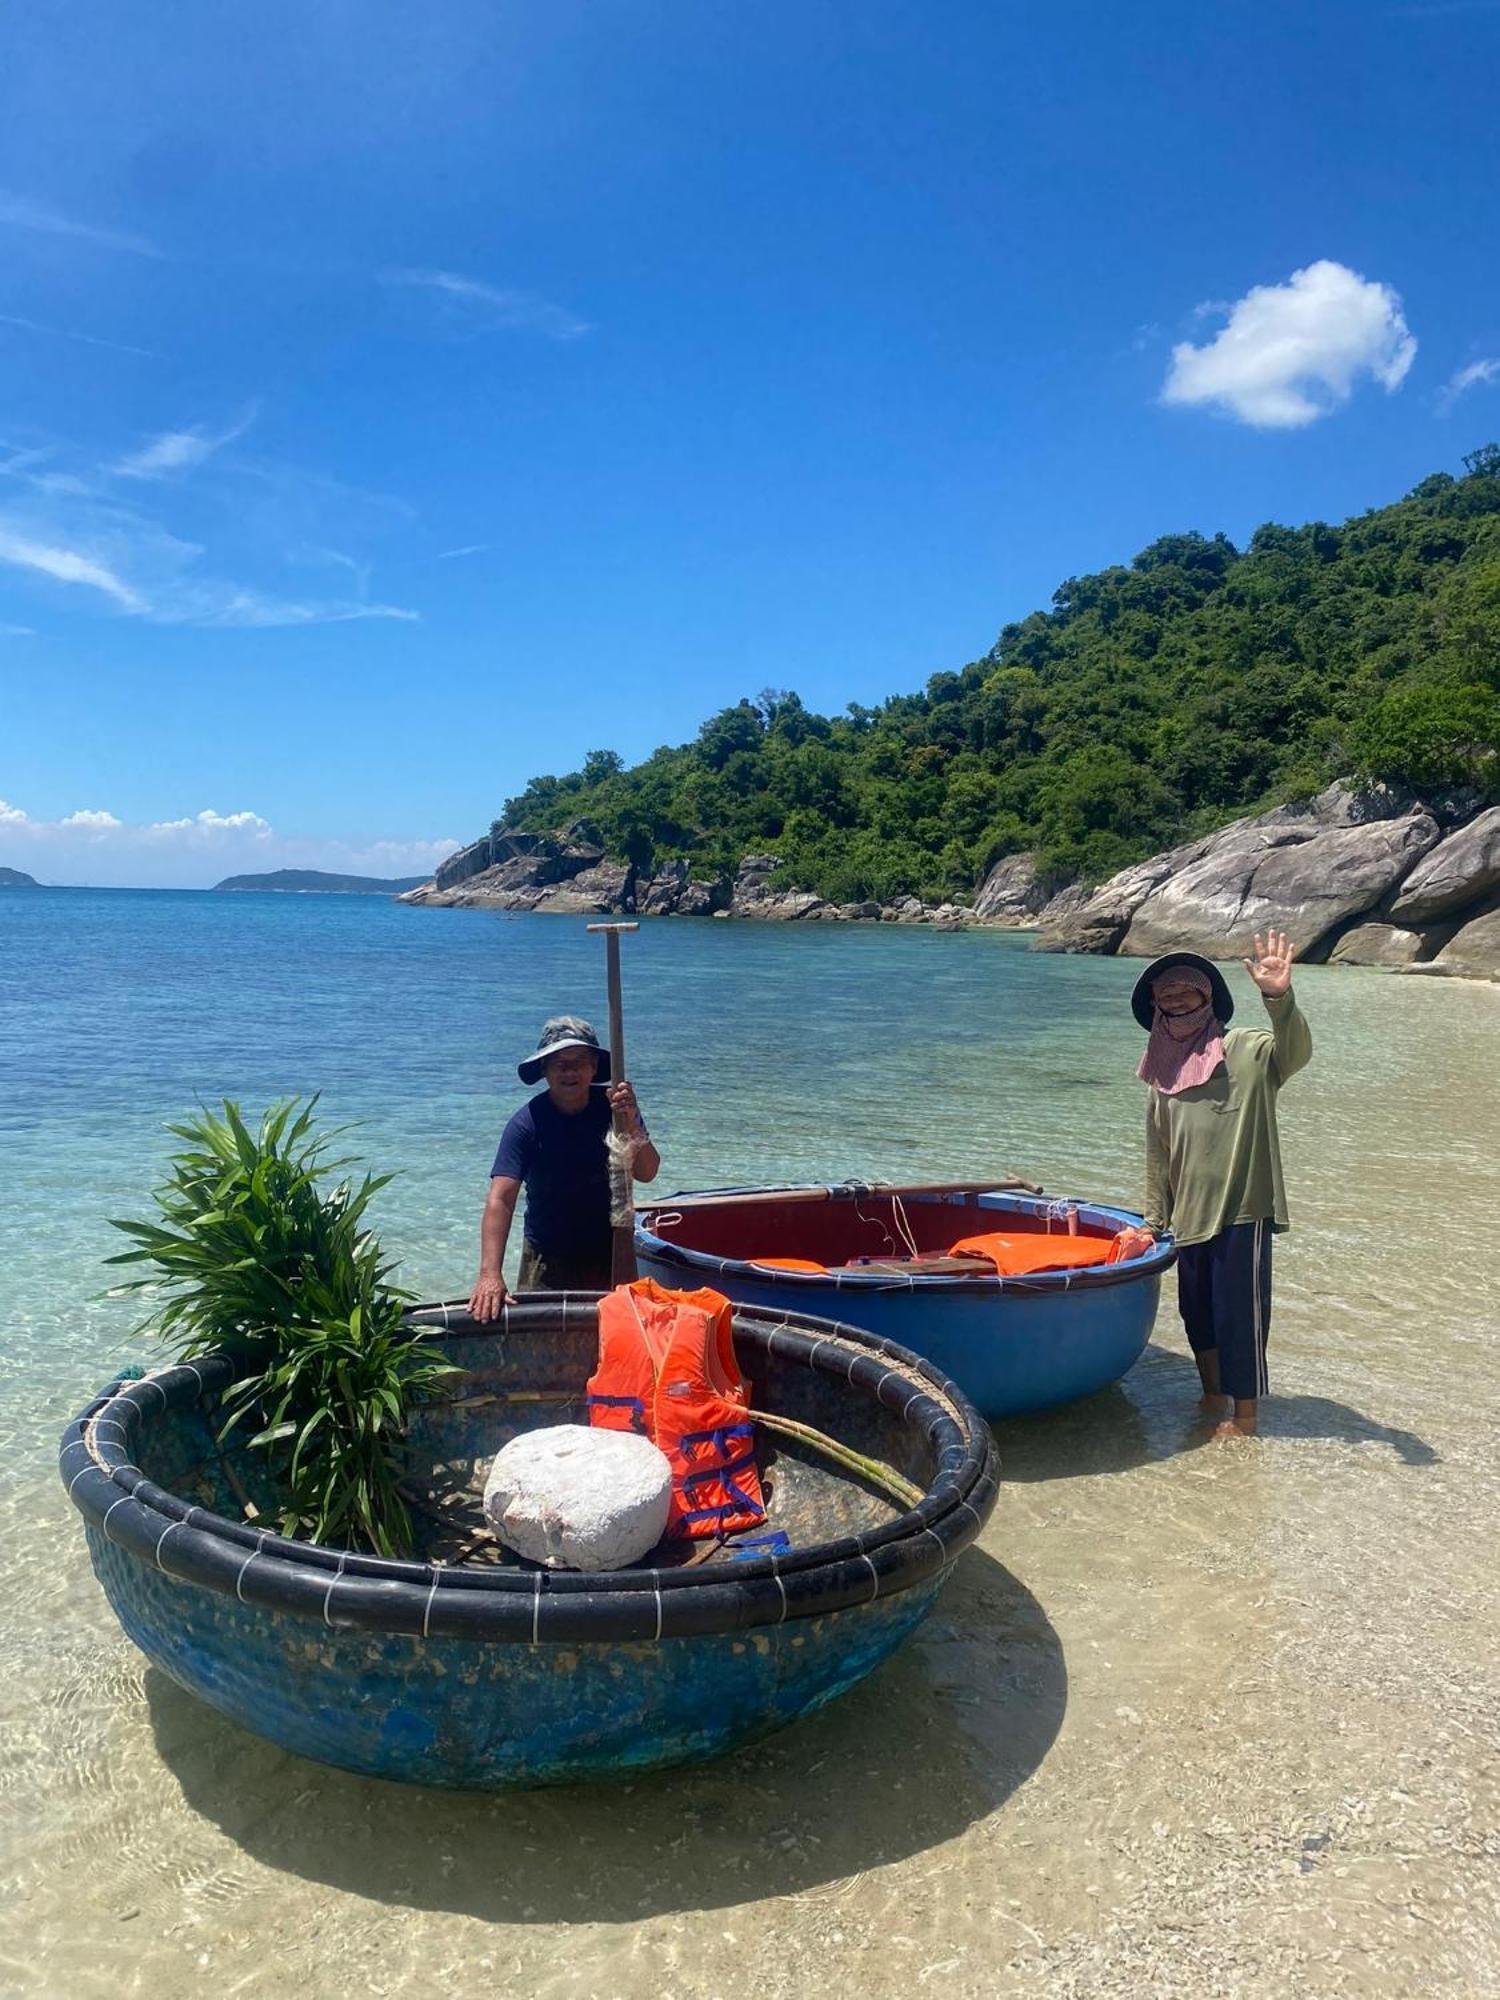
pixel 561 1159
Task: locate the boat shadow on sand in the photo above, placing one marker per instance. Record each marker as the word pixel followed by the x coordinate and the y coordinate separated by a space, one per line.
pixel 1153 1414
pixel 936 1739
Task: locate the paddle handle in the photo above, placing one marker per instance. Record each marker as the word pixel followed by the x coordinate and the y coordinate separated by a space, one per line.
pixel 622 1268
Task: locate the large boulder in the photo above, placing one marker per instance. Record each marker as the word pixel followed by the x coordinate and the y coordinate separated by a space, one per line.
pixel 1097 922
pixel 603 890
pixel 1014 892
pixel 674 892
pixel 575 1498
pixel 1474 949
pixel 1306 870
pixel 1458 871
pixel 1388 945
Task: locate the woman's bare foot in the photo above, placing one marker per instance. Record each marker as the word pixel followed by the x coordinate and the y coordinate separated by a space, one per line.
pixel 1243 1424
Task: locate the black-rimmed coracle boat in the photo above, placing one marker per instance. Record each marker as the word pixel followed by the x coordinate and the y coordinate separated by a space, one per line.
pixel 452 1670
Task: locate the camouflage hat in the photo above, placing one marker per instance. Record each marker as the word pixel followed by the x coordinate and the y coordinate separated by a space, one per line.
pixel 564 1031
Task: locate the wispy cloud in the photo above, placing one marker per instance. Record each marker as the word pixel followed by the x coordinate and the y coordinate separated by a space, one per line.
pixel 17 631
pixel 194 850
pixel 1477 375
pixel 180 451
pixel 66 565
pixel 19 211
pixel 477 307
pixel 84 339
pixel 1292 353
pixel 469 549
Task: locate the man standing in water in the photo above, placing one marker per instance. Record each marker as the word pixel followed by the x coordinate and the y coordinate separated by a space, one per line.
pixel 1213 1160
pixel 554 1146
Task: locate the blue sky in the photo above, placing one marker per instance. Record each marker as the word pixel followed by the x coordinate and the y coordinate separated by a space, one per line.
pixel 396 402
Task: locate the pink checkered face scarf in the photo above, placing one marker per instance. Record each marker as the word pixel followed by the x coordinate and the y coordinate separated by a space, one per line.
pixel 1184 1049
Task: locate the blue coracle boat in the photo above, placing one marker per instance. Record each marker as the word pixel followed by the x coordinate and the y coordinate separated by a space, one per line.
pixel 877 1259
pixel 467 1667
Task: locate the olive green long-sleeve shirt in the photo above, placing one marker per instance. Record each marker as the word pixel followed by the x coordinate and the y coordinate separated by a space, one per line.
pixel 1212 1155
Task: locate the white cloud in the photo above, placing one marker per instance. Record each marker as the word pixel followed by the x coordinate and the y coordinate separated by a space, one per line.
pixel 17 631
pixel 194 851
pixel 66 565
pixel 179 451
pixel 1476 375
pixel 19 211
pixel 479 307
pixel 1292 353
pixel 93 822
pixel 469 549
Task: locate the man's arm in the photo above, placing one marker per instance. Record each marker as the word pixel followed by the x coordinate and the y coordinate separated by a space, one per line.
pixel 489 1292
pixel 645 1161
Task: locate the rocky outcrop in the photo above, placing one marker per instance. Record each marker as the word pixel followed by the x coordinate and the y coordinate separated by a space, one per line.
pixel 1457 872
pixel 1097 923
pixel 1358 875
pixel 599 891
pixel 1014 893
pixel 1304 876
pixel 1473 951
pixel 674 892
pixel 1388 945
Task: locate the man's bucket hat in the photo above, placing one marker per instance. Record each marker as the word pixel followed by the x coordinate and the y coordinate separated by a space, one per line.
pixel 1144 1007
pixel 565 1031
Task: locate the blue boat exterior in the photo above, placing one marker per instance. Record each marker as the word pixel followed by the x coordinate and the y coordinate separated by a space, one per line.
pixel 1014 1346
pixel 448 1712
pixel 490 1674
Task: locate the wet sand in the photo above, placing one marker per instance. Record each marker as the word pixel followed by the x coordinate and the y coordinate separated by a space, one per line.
pixel 1195 1718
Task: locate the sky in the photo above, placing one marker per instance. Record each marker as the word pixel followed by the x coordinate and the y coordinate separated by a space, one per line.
pixel 399 402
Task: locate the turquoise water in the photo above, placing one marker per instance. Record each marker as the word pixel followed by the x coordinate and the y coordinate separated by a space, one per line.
pixel 1169 1668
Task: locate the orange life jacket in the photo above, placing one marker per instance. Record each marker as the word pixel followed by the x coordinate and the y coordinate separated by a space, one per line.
pixel 667 1371
pixel 1027 1251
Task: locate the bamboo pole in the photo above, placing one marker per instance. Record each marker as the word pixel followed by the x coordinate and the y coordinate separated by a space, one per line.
pixel 850 1191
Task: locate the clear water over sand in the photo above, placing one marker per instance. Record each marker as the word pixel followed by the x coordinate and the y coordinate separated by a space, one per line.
pixel 1195 1719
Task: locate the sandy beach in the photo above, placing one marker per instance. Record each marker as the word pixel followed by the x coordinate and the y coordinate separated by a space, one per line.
pixel 1193 1719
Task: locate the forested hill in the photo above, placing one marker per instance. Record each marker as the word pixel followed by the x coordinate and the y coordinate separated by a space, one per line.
pixel 1152 702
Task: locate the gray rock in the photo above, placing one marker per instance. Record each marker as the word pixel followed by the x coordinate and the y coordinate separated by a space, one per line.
pixel 1013 892
pixel 1474 950
pixel 1100 922
pixel 1304 870
pixel 575 1498
pixel 1459 870
pixel 1375 943
pixel 602 890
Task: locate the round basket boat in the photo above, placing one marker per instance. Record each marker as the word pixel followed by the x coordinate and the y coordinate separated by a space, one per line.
pixel 466 1667
pixel 1014 1342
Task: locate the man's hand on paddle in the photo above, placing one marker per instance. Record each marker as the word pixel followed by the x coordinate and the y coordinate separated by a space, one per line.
pixel 622 1099
pixel 1271 968
pixel 487 1297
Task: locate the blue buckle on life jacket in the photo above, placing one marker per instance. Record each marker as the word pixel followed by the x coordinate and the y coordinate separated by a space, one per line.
pixel 634 1404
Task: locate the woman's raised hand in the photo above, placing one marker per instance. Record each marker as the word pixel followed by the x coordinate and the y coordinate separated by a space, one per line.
pixel 1271 968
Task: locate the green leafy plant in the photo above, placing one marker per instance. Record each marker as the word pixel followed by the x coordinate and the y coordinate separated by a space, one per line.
pixel 260 1251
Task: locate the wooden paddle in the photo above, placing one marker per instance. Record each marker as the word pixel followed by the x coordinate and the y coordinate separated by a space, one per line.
pixel 621 1187
pixel 854 1191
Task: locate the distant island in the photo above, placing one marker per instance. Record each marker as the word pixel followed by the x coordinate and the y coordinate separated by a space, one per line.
pixel 12 878
pixel 314 882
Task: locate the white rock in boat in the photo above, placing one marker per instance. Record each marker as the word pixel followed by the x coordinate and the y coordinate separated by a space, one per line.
pixel 576 1498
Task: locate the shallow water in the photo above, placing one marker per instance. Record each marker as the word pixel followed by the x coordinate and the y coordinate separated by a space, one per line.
pixel 1195 1718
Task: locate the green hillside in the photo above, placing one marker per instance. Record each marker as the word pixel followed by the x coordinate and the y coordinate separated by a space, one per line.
pixel 1153 701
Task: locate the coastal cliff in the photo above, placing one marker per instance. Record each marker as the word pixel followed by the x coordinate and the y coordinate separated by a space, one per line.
pixel 1359 875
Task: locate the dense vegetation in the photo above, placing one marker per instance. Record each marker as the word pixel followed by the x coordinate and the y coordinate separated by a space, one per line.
pixel 1152 702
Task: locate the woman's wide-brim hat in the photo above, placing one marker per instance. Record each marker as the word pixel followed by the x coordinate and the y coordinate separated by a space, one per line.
pixel 565 1032
pixel 1142 1004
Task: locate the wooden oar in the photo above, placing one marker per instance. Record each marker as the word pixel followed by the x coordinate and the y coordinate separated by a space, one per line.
pixel 621 1187
pixel 852 1191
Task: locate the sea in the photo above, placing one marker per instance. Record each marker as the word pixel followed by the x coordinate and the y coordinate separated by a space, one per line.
pixel 1196 1717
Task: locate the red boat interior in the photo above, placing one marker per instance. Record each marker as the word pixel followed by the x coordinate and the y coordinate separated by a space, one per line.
pixel 816 1234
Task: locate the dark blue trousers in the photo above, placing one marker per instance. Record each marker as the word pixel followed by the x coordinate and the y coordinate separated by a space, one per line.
pixel 1224 1296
